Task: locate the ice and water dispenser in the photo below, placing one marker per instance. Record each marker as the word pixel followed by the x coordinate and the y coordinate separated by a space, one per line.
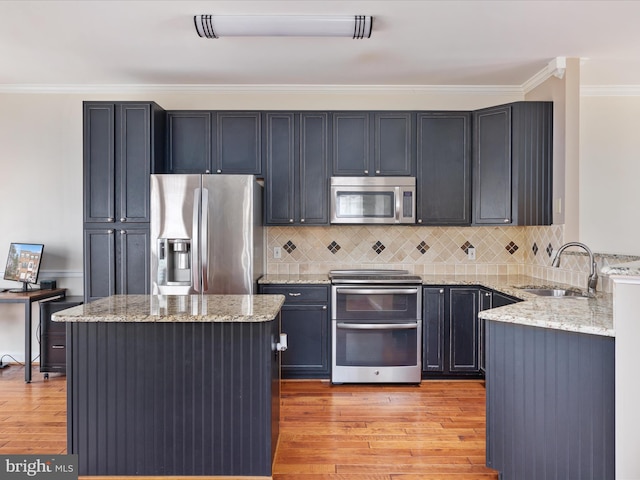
pixel 174 261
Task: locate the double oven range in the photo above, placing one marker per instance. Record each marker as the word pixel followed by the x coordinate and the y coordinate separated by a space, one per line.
pixel 376 322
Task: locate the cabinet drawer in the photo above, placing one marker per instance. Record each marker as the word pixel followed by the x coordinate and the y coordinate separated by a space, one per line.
pixel 299 294
pixel 54 350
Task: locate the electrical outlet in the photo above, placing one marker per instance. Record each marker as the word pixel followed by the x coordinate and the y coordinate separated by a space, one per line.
pixel 471 253
pixel 277 252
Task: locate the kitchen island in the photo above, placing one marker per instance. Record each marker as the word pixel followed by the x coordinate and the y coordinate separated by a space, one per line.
pixel 550 385
pixel 173 385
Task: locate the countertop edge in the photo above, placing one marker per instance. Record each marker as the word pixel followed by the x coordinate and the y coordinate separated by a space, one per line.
pixel 175 309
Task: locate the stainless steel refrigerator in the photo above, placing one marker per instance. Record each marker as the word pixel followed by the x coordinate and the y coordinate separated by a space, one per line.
pixel 206 234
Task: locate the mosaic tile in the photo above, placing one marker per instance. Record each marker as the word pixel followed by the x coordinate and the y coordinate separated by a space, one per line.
pixel 378 247
pixel 511 248
pixel 423 247
pixel 535 248
pixel 289 246
pixel 333 247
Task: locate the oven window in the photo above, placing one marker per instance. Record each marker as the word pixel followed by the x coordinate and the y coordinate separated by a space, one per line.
pixel 376 348
pixel 376 303
pixel 366 304
pixel 365 204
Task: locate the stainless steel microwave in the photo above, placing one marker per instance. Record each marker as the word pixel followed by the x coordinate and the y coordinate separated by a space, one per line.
pixel 373 200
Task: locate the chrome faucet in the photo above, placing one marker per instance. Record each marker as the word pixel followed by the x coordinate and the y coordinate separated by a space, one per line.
pixel 593 276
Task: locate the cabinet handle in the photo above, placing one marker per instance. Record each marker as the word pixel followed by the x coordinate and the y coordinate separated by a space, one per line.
pixel 442 290
pixel 506 220
pixel 57 346
pixel 419 220
pixel 122 232
pixel 294 294
pixel 207 171
pixel 110 219
pixel 487 294
pixel 377 171
pixel 123 219
pixel 219 171
pixel 302 220
pixel 366 171
pixel 110 231
pixel 291 220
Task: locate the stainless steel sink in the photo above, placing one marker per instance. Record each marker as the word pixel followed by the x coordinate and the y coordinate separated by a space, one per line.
pixel 555 292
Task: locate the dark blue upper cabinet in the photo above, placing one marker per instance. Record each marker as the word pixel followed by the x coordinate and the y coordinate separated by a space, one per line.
pixel 238 143
pixel 122 142
pixel 513 163
pixel 214 142
pixel 443 168
pixel 373 143
pixel 297 168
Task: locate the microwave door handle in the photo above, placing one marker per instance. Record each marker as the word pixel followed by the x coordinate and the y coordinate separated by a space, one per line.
pixel 378 326
pixel 398 203
pixel 195 235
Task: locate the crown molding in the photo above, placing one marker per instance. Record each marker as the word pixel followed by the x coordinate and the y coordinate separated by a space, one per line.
pixel 610 91
pixel 475 90
pixel 490 90
pixel 555 68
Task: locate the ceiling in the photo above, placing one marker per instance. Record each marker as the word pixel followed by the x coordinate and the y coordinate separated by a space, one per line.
pixel 413 43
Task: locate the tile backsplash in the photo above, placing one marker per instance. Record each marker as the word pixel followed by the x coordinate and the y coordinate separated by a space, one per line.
pixel 430 250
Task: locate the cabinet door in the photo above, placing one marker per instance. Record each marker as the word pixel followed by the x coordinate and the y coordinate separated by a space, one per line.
pixel 133 162
pixel 189 142
pixel 463 330
pixel 99 263
pixel 314 169
pixel 99 162
pixel 433 326
pixel 132 263
pixel 280 166
pixel 492 166
pixel 444 168
pixel 393 135
pixel 305 320
pixel 238 143
pixel 307 329
pixel 351 143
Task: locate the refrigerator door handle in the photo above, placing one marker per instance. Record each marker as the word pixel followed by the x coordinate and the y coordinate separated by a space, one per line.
pixel 195 253
pixel 204 252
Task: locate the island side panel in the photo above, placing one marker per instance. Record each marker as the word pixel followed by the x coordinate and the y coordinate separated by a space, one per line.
pixel 550 403
pixel 173 398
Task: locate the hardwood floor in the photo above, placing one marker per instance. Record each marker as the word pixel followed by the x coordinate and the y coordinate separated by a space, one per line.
pixel 343 432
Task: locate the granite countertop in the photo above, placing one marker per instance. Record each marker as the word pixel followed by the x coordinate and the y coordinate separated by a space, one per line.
pixel 584 315
pixel 311 278
pixel 624 269
pixel 175 308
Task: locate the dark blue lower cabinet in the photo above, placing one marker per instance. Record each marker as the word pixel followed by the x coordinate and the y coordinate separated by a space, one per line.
pixel 173 398
pixel 550 403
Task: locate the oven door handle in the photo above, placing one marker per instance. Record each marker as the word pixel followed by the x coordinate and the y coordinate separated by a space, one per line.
pixel 376 291
pixel 378 326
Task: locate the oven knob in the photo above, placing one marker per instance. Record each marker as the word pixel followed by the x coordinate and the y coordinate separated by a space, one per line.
pixel 377 372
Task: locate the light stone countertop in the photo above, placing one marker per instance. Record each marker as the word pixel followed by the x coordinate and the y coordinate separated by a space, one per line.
pixel 295 279
pixel 175 308
pixel 624 269
pixel 583 315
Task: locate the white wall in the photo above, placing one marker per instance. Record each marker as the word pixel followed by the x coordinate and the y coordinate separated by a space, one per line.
pixel 609 174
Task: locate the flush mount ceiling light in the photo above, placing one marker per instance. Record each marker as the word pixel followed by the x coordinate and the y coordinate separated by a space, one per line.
pixel 214 26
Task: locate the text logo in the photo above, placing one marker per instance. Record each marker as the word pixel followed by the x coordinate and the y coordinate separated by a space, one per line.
pixel 49 467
